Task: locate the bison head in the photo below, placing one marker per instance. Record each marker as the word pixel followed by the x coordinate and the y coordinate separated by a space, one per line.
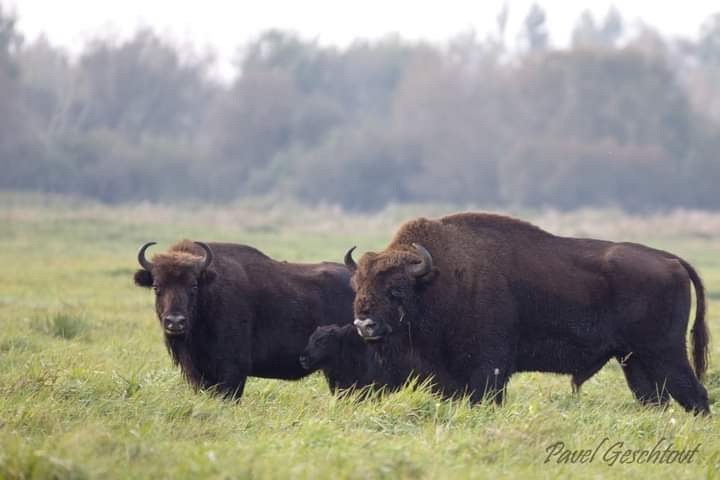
pixel 323 345
pixel 176 277
pixel 386 286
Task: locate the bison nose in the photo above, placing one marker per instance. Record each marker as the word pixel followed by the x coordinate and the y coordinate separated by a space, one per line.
pixel 366 327
pixel 174 324
pixel 364 323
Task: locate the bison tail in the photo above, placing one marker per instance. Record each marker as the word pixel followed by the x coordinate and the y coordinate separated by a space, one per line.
pixel 700 334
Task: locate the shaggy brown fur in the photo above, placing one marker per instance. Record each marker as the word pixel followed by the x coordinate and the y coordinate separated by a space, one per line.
pixel 504 296
pixel 182 255
pixel 246 314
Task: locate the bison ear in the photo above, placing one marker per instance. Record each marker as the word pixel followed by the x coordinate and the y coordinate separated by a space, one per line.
pixel 208 276
pixel 143 278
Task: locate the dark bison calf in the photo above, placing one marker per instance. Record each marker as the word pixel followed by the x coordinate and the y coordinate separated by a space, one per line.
pixel 340 353
pixel 347 361
pixel 228 311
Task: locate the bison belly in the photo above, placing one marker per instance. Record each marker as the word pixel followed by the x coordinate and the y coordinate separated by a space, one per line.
pixel 284 368
pixel 546 354
pixel 566 330
pixel 570 341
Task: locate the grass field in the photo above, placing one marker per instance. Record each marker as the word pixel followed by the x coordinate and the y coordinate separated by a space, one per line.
pixel 87 389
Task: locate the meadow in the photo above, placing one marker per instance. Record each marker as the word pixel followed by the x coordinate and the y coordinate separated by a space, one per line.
pixel 87 389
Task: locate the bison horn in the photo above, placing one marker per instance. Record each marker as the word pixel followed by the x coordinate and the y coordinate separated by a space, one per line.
pixel 349 262
pixel 208 254
pixel 426 262
pixel 141 256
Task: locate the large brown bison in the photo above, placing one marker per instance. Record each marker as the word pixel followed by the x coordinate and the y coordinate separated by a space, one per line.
pixel 484 296
pixel 228 311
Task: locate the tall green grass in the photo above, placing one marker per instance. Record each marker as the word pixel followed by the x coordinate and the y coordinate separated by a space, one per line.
pixel 87 389
pixel 61 324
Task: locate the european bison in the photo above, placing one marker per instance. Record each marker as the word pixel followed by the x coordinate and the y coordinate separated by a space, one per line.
pixel 499 295
pixel 347 361
pixel 228 311
pixel 340 353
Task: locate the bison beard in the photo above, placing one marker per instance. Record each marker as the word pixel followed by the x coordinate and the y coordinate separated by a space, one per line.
pixel 488 296
pixel 230 312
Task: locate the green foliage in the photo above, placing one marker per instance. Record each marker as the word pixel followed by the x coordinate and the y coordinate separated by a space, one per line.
pixel 111 405
pixel 10 38
pixel 709 43
pixel 361 167
pixel 64 324
pixel 535 29
pixel 142 86
pixel 18 461
pixel 373 123
pixel 588 32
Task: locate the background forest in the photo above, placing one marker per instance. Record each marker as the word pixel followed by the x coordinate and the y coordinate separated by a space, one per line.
pixel 620 117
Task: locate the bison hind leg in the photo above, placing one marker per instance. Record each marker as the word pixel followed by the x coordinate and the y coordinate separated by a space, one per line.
pixel 676 375
pixel 647 389
pixel 578 378
pixel 576 382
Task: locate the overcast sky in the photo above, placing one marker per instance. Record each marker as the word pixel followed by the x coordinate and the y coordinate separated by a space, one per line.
pixel 223 25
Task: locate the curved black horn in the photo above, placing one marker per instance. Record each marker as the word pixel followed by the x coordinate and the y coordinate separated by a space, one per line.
pixel 426 262
pixel 349 262
pixel 141 256
pixel 208 254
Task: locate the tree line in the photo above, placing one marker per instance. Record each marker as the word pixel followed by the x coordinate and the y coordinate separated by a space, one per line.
pixel 619 118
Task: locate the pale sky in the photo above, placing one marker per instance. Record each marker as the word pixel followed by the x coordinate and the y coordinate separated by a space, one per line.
pixel 225 25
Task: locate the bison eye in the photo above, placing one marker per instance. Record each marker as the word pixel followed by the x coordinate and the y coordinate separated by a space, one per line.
pixel 396 293
pixel 194 289
pixel 156 289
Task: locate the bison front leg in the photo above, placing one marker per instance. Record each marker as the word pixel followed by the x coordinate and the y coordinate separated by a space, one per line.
pixel 236 362
pixel 490 374
pixel 233 390
pixel 488 382
pixel 491 356
pixel 232 376
pixel 232 380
